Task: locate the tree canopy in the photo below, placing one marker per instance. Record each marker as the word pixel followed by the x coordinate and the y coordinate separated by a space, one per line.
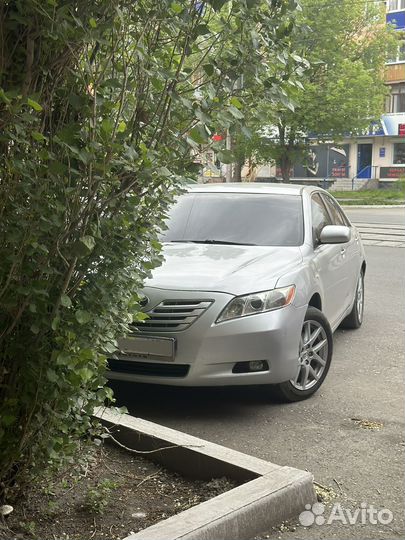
pixel 340 89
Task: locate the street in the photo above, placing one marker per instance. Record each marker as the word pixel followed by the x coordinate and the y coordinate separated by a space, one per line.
pixel 350 435
pixel 379 226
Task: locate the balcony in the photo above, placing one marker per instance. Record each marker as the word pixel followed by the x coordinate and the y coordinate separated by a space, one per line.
pixel 395 73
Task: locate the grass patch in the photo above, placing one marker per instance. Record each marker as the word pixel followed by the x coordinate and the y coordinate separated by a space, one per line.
pixel 395 195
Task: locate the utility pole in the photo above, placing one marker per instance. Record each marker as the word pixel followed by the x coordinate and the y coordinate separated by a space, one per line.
pixel 228 166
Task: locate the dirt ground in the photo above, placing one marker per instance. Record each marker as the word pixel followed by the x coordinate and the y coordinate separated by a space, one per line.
pixel 114 494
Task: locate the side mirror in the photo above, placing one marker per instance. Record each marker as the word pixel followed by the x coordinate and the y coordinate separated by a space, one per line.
pixel 335 234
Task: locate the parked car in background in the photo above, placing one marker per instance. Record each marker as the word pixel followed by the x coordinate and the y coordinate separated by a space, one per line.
pixel 255 280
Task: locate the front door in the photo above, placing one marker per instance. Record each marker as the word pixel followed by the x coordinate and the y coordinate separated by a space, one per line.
pixel 364 160
pixel 350 251
pixel 329 264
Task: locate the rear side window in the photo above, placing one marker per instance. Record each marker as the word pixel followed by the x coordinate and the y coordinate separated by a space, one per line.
pixel 320 217
pixel 336 214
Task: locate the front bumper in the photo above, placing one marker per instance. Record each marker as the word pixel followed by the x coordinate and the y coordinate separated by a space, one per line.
pixel 211 350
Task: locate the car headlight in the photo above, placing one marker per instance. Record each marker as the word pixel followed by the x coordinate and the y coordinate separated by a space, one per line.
pixel 241 306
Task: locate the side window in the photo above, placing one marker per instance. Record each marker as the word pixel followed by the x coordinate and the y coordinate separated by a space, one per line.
pixel 320 217
pixel 337 215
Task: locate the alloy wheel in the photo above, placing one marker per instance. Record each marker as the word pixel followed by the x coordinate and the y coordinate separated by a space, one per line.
pixel 313 355
pixel 360 299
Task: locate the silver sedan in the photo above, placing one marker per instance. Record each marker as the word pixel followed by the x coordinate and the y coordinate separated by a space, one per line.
pixel 255 280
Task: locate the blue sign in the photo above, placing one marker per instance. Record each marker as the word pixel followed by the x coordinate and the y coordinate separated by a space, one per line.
pixel 397 19
pixel 382 152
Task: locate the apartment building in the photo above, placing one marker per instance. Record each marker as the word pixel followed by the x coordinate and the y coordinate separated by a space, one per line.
pixel 389 151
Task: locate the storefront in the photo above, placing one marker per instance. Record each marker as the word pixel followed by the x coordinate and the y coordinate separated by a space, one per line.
pixel 378 155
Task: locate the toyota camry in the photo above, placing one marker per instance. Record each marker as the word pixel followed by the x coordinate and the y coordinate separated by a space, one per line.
pixel 255 280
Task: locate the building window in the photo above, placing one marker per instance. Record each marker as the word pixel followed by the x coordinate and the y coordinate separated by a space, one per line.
pixel 396 101
pixel 396 5
pixel 400 56
pixel 399 154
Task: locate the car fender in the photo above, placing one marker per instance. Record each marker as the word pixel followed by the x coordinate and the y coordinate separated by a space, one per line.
pixel 306 284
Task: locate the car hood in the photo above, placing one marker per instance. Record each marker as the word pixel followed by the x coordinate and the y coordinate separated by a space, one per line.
pixel 231 269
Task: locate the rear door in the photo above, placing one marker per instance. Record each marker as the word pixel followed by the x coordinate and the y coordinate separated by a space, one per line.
pixel 330 264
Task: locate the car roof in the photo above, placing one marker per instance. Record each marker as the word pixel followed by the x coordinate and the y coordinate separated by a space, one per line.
pixel 250 187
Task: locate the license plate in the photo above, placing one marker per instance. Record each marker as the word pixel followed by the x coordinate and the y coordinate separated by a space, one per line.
pixel 154 348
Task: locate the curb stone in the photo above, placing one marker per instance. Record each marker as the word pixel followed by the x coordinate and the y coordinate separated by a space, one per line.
pixel 371 205
pixel 269 495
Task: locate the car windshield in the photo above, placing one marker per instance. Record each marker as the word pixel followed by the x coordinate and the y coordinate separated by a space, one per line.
pixel 236 219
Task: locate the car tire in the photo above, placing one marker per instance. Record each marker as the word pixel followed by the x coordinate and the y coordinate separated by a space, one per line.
pixel 314 321
pixel 355 318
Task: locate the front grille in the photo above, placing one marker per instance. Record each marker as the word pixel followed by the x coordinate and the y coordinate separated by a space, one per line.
pixel 174 315
pixel 146 368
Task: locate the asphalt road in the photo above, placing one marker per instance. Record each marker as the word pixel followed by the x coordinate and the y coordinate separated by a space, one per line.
pixel 350 435
pixel 376 215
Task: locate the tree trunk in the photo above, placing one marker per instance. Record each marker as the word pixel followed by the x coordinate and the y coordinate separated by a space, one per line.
pixel 237 171
pixel 284 160
pixel 285 166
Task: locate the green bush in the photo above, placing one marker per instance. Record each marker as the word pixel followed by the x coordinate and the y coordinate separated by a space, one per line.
pixel 98 110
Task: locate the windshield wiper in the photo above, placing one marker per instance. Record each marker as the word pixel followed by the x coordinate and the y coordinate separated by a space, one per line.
pixel 209 241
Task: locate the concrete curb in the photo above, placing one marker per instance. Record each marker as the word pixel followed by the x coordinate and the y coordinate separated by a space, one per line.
pixel 270 494
pixel 371 205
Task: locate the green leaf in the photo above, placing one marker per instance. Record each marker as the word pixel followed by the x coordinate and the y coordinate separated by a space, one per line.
pixel 55 323
pixel 158 84
pixel 177 8
pixel 38 136
pixel 4 97
pixel 209 69
pixel 163 171
pixel 107 126
pixel 85 374
pixel 63 359
pixel 217 4
pixel 141 316
pixel 203 117
pixel 122 126
pixel 34 329
pixel 84 245
pixel 34 104
pixel 198 135
pixel 93 22
pixel 52 375
pixel 65 300
pixel 235 102
pixel 82 317
pixel 201 30
pixel 226 156
pixel 236 113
